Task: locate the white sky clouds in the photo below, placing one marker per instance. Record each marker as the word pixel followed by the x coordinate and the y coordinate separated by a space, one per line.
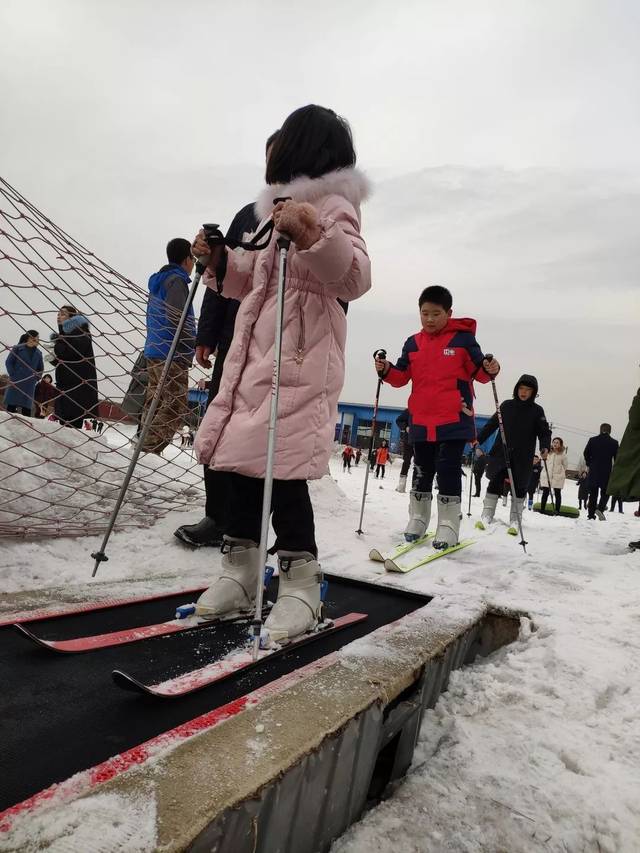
pixel 130 122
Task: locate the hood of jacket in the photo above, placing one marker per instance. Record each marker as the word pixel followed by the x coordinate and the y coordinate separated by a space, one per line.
pixel 75 322
pixel 349 183
pixel 528 381
pixel 454 324
pixel 158 278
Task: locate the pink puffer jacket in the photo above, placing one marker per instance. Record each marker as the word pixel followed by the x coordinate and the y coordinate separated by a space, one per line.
pixel 233 434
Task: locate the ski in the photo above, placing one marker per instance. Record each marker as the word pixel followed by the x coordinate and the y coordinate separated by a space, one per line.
pixel 413 561
pixel 78 645
pixel 401 549
pixel 236 662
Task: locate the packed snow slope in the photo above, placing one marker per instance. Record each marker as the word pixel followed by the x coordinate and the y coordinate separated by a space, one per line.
pixel 534 748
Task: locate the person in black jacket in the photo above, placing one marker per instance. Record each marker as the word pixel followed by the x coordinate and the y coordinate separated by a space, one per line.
pixel 478 468
pixel 524 422
pixel 534 480
pixel 599 454
pixel 76 378
pixel 407 450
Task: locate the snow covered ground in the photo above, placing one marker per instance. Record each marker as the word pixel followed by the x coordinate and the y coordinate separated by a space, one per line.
pixel 534 748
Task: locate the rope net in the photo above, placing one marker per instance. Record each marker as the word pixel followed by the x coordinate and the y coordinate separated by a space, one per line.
pixel 65 444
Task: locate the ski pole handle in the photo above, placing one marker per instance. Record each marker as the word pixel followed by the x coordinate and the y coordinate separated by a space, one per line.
pixel 381 355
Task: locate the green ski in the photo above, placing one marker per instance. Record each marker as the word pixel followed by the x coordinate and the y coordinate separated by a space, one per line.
pixel 379 557
pixel 408 565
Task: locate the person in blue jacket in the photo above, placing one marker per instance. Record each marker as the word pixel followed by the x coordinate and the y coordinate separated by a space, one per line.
pixel 168 293
pixel 24 367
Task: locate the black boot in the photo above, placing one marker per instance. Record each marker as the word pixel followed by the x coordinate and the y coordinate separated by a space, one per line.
pixel 204 533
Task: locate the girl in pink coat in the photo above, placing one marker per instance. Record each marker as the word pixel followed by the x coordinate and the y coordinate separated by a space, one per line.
pixel 311 162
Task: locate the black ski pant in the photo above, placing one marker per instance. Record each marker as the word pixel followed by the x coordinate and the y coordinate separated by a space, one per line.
pixel 594 503
pixel 346 463
pixel 443 458
pixel 292 513
pixel 407 456
pixel 380 468
pixel 557 498
pixel 496 485
pixel 614 501
pixel 216 483
pixel 478 480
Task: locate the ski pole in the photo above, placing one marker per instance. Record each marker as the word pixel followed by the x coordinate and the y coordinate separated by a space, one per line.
pixel 380 354
pixel 489 357
pixel 213 236
pixel 473 454
pixel 283 242
pixel 551 495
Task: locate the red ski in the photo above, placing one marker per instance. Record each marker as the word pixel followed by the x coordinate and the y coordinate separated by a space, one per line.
pixel 241 660
pixel 128 635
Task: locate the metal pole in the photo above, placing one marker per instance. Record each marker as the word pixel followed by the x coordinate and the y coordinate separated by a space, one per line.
pixel 100 556
pixel 382 354
pixel 283 244
pixel 473 457
pixel 503 436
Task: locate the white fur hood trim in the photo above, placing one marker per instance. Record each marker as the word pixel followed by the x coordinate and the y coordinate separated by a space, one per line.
pixel 350 183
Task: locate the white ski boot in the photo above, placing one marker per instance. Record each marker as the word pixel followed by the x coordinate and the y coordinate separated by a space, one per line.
pixel 402 484
pixel 235 590
pixel 449 517
pixel 298 607
pixel 517 509
pixel 488 511
pixel 419 515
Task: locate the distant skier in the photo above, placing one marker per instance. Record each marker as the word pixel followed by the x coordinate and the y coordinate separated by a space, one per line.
pixel 407 450
pixel 583 484
pixel 478 468
pixel 599 454
pixel 358 456
pixel 347 456
pixel 554 474
pixel 534 480
pixel 382 457
pixel 524 423
pixel 441 361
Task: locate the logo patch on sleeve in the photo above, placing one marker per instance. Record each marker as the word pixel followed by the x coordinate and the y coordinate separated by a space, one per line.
pixel 448 352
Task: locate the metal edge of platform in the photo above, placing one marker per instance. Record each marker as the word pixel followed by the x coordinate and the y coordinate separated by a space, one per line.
pixel 252 775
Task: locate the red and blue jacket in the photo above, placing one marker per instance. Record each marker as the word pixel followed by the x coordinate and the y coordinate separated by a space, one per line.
pixel 441 368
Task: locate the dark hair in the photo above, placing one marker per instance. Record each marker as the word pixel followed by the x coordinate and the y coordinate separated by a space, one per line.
pixel 312 141
pixel 605 429
pixel 271 140
pixel 30 333
pixel 557 438
pixel 178 250
pixel 49 377
pixel 438 295
pixel 71 311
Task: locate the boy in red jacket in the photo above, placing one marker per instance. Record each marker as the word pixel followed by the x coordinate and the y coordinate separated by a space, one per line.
pixel 441 361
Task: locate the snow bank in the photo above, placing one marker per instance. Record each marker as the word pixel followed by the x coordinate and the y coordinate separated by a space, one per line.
pixel 59 480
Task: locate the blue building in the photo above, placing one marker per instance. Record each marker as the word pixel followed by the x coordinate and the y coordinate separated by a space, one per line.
pixel 354 426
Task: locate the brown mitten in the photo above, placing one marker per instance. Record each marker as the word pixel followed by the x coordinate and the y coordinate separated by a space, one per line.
pixel 298 221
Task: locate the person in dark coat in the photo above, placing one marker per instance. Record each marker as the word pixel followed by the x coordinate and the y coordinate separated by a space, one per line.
pixel 524 423
pixel 599 454
pixel 45 394
pixel 479 466
pixel 75 365
pixel 625 477
pixel 24 368
pixel 407 450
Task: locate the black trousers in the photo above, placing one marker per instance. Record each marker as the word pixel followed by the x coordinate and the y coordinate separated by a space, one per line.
pixel 614 501
pixel 346 463
pixel 407 456
pixel 478 480
pixel 557 498
pixel 216 482
pixel 292 513
pixel 496 485
pixel 594 503
pixel 380 468
pixel 443 458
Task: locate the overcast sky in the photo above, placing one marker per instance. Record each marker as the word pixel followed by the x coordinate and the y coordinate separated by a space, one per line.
pixel 131 122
